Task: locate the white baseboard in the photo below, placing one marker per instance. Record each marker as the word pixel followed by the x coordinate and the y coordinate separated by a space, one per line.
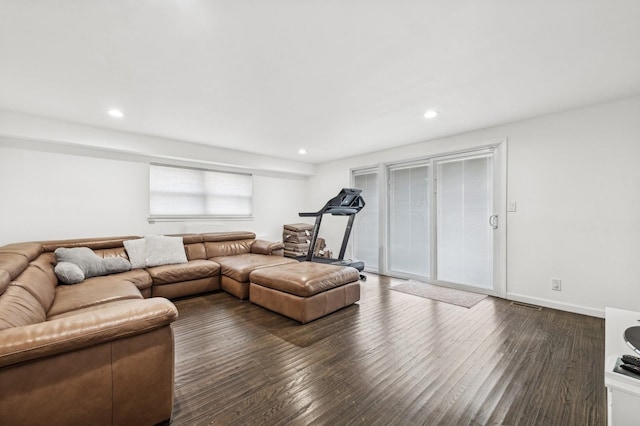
pixel 584 310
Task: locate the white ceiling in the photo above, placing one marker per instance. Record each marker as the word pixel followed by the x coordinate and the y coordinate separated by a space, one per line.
pixel 337 77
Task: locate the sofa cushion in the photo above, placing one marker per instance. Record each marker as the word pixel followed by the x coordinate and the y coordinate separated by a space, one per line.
pixel 5 279
pixel 163 250
pixel 28 250
pixel 265 247
pixel 46 262
pixel 138 277
pixel 228 236
pixel 188 238
pixel 92 309
pixel 112 252
pixel 186 288
pixel 40 283
pixel 18 307
pixel 195 251
pixel 239 267
pixel 13 263
pixel 227 248
pixel 90 263
pixel 91 293
pixel 193 270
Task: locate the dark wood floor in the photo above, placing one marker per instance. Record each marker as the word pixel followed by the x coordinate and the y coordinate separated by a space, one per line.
pixel 392 359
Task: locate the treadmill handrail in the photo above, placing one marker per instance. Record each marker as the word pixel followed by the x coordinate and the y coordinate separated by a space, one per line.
pixel 346 203
pixel 342 211
pixel 333 211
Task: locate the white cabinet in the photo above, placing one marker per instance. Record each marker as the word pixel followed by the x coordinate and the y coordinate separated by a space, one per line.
pixel 623 392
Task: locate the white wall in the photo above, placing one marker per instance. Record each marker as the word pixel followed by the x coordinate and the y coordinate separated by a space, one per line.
pixel 576 181
pixel 71 137
pixel 46 195
pixel 55 196
pixel 61 188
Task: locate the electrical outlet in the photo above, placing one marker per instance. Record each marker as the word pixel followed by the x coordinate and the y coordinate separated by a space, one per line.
pixel 556 284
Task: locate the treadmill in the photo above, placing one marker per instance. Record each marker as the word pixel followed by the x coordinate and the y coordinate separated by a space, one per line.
pixel 348 202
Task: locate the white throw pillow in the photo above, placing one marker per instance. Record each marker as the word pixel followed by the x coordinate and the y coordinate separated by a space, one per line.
pixel 162 250
pixel 137 252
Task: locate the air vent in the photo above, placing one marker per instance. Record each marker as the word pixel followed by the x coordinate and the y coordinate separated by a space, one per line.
pixel 526 305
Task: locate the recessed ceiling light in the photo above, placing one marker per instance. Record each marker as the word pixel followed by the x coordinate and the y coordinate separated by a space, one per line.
pixel 302 151
pixel 115 113
pixel 431 114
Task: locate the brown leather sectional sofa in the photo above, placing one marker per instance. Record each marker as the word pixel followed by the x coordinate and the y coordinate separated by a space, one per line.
pixel 101 351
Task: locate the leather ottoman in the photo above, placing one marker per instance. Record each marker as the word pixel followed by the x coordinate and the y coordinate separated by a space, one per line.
pixel 304 291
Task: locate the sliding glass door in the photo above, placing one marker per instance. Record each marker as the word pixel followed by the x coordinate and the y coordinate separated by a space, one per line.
pixel 435 220
pixel 465 227
pixel 409 220
pixel 366 241
pixel 438 217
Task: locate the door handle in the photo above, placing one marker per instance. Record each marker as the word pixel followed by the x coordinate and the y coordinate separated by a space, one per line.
pixel 493 221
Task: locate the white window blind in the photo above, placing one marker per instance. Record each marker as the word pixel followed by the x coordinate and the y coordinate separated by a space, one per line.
pixel 177 192
pixel 465 239
pixel 409 223
pixel 367 223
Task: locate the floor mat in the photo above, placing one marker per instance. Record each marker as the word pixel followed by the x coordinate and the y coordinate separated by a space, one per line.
pixel 442 294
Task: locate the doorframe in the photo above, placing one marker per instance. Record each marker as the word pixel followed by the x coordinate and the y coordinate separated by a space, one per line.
pixel 501 251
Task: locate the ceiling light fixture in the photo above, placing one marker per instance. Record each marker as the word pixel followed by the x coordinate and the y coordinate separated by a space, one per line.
pixel 115 113
pixel 302 151
pixel 431 114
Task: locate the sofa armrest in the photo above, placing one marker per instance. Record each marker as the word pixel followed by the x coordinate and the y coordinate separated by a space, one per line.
pixel 267 247
pixel 86 329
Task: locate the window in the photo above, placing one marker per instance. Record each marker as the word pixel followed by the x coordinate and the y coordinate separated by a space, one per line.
pixel 184 193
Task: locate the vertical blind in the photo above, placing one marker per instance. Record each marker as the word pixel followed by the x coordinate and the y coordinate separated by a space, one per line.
pixel 185 192
pixel 367 225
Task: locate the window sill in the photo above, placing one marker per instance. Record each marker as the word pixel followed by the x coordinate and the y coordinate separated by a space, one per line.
pixel 154 219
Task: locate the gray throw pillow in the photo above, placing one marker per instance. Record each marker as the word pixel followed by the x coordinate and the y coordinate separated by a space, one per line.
pixel 90 263
pixel 84 257
pixel 114 265
pixel 162 250
pixel 69 273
